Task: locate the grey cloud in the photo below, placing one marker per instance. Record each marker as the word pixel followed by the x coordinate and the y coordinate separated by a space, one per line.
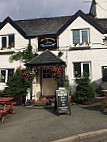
pixel 26 9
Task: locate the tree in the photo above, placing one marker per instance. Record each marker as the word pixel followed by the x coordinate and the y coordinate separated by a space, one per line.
pixel 84 91
pixel 16 86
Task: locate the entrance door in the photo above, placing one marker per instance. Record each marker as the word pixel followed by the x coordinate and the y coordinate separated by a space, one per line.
pixel 49 84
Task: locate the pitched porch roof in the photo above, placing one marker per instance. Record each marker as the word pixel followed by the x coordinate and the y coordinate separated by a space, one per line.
pixel 45 58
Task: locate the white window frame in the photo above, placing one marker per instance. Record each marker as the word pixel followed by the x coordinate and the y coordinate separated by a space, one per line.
pixel 82 63
pixel 7 39
pixel 80 34
pixel 6 74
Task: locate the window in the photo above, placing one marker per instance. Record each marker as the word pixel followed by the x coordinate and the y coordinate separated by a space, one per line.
pixel 104 73
pixel 8 41
pixel 11 40
pixel 81 68
pixel 10 73
pixel 3 76
pixel 80 36
pixel 4 42
pixel 47 73
pixel 6 74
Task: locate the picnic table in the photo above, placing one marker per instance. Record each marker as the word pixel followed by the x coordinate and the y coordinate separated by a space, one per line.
pixel 7 103
pixel 104 100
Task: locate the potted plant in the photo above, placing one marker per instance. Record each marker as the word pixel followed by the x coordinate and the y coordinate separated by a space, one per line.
pixel 52 101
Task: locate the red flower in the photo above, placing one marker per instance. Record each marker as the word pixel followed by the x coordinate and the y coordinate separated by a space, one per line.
pixel 19 67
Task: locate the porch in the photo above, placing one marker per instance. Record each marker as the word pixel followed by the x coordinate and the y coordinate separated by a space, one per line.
pixel 44 84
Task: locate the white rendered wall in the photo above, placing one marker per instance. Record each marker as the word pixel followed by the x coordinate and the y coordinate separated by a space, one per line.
pixel 34 43
pixel 101 9
pixel 96 56
pixel 66 38
pixel 20 41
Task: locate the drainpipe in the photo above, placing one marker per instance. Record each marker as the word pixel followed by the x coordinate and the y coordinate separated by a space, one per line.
pixel 29 40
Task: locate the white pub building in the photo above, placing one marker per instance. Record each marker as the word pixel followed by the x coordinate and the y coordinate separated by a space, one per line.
pixel 77 42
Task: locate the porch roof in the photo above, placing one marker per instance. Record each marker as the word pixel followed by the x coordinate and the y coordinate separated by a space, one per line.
pixel 45 58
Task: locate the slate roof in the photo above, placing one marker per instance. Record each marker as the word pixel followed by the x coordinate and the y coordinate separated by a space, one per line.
pixel 45 58
pixel 56 25
pixel 102 23
pixel 42 26
pixel 52 26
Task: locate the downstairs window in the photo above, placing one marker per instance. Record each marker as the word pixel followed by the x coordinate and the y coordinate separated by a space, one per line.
pixel 81 68
pixel 5 75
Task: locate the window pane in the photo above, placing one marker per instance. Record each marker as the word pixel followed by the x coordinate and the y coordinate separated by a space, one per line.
pixel 47 73
pixel 4 41
pixel 76 36
pixel 49 76
pixel 104 73
pixel 84 36
pixel 44 71
pixel 2 77
pixel 44 76
pixel 86 69
pixel 10 73
pixel 77 69
pixel 11 40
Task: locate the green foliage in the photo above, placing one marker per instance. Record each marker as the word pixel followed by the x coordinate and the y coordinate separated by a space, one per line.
pixel 84 91
pixel 25 56
pixel 17 86
pixel 68 86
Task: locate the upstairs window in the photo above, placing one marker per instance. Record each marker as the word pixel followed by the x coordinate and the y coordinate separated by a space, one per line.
pixel 4 42
pixel 8 41
pixel 11 40
pixel 81 36
pixel 81 68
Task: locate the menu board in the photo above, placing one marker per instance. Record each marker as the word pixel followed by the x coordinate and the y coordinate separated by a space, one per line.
pixel 62 102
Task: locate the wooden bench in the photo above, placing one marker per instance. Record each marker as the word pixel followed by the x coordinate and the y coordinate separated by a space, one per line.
pixel 6 110
pixel 104 103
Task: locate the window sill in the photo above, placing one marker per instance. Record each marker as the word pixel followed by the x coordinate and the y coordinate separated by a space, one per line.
pixel 12 50
pixel 74 78
pixel 2 83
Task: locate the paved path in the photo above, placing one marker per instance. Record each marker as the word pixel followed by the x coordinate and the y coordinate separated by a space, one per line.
pixel 41 125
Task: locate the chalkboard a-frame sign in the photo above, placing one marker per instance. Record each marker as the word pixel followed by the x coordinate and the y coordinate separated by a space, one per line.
pixel 62 102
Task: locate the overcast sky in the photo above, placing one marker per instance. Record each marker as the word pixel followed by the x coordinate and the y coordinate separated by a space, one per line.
pixel 27 9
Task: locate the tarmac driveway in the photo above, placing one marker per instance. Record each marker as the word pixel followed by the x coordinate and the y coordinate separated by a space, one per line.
pixel 42 125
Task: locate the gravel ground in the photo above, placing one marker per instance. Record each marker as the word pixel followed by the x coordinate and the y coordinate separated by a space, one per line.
pixel 43 125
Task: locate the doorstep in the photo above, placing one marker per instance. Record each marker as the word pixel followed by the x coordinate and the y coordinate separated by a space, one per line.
pixel 40 107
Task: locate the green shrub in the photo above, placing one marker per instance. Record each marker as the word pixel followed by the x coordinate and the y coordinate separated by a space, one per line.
pixel 17 86
pixel 84 91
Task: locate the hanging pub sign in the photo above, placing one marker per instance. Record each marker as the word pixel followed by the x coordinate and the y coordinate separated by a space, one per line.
pixel 47 43
pixel 62 102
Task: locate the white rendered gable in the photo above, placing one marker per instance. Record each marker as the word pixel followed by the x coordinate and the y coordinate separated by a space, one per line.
pixel 66 37
pixel 20 41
